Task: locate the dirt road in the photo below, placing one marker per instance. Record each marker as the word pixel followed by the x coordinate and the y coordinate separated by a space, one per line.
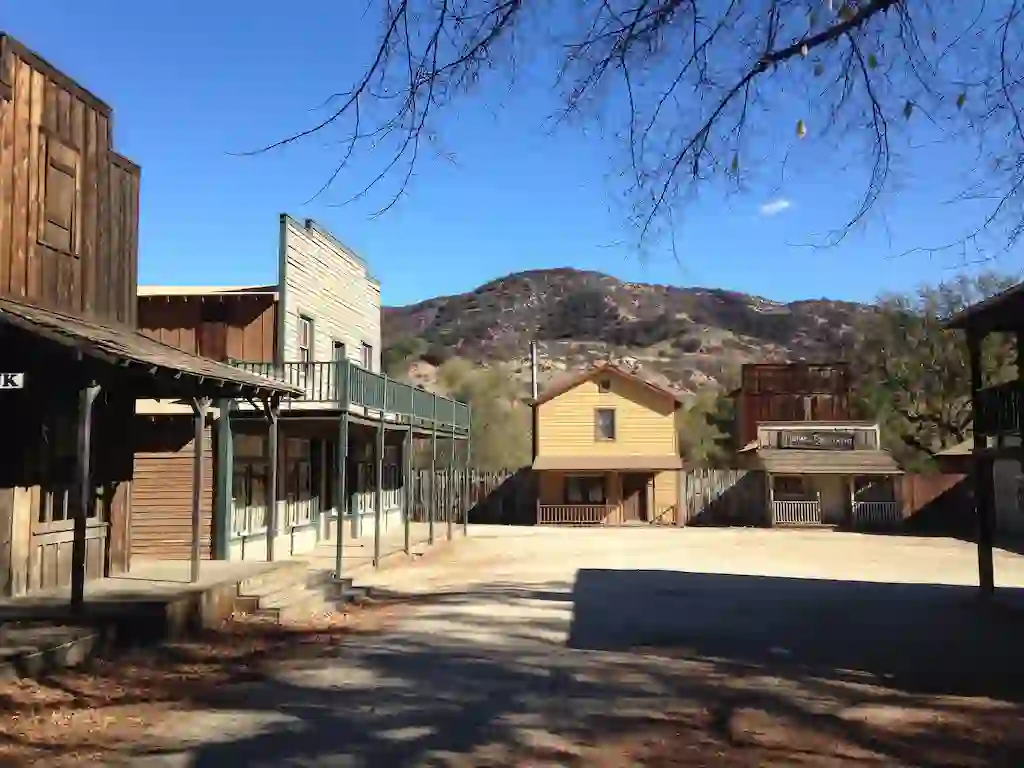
pixel 528 647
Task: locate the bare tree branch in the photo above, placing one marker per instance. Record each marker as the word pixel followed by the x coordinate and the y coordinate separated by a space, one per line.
pixel 701 89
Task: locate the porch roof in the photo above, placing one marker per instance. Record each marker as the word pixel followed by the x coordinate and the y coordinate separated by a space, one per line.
pixel 176 373
pixel 609 463
pixel 790 461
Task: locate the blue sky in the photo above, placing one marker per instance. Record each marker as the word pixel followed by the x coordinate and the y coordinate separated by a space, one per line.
pixel 191 83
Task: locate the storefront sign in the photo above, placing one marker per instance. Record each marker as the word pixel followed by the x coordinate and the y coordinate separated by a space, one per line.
pixel 12 380
pixel 824 441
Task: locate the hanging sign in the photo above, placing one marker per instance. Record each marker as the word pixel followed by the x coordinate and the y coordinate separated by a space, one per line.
pixel 12 380
pixel 825 441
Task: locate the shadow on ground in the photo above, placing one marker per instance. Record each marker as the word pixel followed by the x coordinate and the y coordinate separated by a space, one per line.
pixel 661 668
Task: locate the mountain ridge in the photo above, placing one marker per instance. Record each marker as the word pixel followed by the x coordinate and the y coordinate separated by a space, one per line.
pixel 687 338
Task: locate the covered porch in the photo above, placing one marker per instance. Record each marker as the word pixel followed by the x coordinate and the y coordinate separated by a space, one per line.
pixel 65 476
pixel 849 489
pixel 607 490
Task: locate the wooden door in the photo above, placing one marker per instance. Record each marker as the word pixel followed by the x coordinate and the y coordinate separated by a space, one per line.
pixel 634 497
pixel 53 504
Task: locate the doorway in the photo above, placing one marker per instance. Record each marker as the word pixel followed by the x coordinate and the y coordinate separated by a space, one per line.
pixel 634 497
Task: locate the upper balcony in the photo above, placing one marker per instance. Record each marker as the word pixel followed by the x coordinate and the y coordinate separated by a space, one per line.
pixel 344 385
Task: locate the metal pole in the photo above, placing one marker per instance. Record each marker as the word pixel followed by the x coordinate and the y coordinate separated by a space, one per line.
pixel 273 412
pixel 433 471
pixel 341 465
pixel 379 500
pixel 407 484
pixel 86 399
pixel 200 406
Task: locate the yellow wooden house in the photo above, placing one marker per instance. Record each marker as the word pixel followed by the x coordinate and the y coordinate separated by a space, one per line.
pixel 606 450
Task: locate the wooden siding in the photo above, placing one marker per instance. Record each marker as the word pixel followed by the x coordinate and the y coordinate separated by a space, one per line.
pixel 645 421
pixel 161 514
pixel 324 281
pixel 791 392
pixel 239 327
pixel 55 153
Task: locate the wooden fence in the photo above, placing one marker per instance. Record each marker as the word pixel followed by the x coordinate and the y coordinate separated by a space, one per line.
pixel 501 496
pixel 722 497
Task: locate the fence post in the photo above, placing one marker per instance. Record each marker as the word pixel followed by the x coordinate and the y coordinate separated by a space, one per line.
pixel 407 484
pixel 433 472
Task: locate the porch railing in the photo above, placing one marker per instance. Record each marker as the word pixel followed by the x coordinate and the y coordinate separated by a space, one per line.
pixel 247 520
pixel 341 382
pixel 999 410
pixel 802 512
pixel 877 514
pixel 573 514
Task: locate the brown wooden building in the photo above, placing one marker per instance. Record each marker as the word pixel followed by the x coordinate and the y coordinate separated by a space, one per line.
pixel 795 423
pixel 73 364
pixel 791 392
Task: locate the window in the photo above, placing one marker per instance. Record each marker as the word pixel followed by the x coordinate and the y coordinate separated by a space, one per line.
pixel 604 385
pixel 59 197
pixel 367 357
pixel 604 424
pixel 305 339
pixel 584 489
pixel 338 352
pixel 790 487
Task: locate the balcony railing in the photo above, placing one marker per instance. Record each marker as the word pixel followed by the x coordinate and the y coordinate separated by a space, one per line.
pixel 999 410
pixel 342 384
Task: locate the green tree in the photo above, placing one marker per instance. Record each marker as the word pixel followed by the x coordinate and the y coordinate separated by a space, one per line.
pixel 705 429
pixel 397 356
pixel 912 374
pixel 501 429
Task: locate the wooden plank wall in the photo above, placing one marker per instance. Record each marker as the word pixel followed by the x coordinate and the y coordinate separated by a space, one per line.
pixel 49 113
pixel 178 322
pixel 161 494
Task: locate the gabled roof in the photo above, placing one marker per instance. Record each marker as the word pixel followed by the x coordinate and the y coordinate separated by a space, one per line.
pixel 569 382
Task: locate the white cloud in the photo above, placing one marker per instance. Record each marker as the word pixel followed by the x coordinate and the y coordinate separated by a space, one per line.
pixel 775 207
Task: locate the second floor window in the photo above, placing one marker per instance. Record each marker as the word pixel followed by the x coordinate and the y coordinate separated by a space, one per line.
pixel 305 339
pixel 367 357
pixel 604 424
pixel 339 352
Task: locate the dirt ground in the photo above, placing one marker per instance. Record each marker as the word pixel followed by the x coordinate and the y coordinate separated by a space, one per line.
pixel 606 648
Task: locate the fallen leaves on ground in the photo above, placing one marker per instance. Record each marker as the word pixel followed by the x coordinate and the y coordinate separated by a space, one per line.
pixel 93 712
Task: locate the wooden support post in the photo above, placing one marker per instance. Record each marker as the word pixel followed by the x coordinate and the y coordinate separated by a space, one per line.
pixel 273 414
pixel 771 499
pixel 340 494
pixel 983 480
pixel 223 472
pixel 379 495
pixel 469 481
pixel 433 474
pixel 407 487
pixel 83 487
pixel 200 407
pixel 450 506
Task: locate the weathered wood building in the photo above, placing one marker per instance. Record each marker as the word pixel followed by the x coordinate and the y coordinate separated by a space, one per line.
pixel 821 466
pixel 344 444
pixel 607 450
pixel 69 207
pixel 794 392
